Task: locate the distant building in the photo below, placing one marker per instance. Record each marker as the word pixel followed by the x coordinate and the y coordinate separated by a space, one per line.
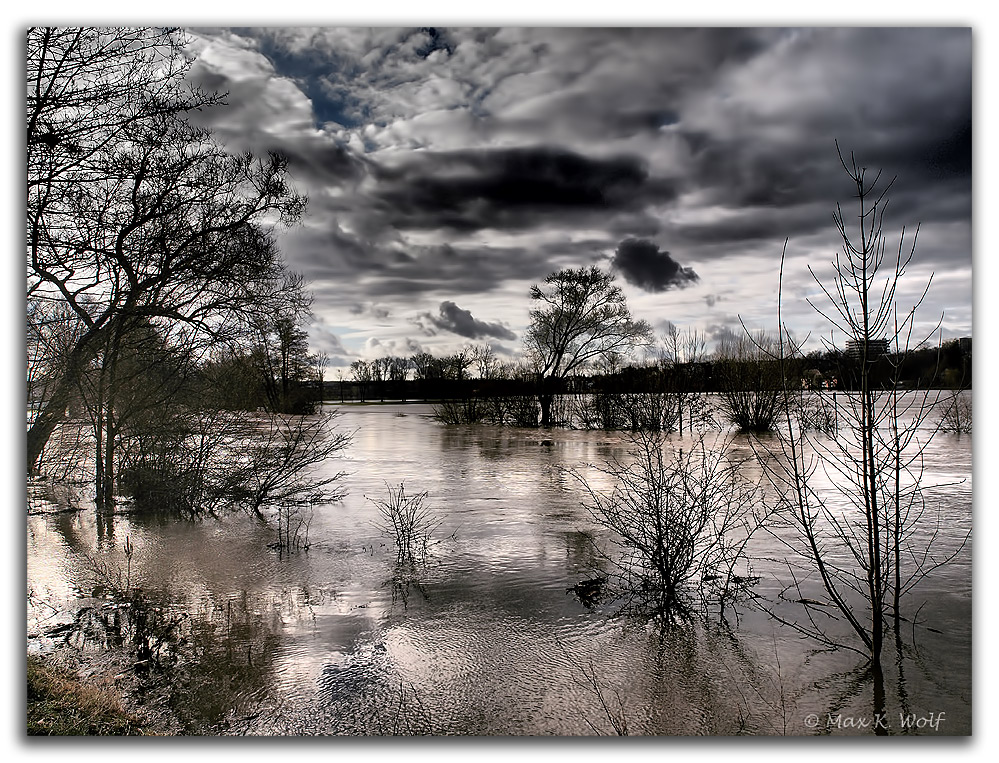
pixel 875 348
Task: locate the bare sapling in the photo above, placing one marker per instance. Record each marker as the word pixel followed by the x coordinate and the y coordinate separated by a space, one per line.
pixel 861 534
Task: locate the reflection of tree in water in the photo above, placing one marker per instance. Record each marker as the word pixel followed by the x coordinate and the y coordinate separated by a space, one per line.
pixel 582 554
pixel 700 678
pixel 210 664
pixel 746 690
pixel 230 650
pixel 690 667
pixel 209 658
pixel 359 696
pixel 406 580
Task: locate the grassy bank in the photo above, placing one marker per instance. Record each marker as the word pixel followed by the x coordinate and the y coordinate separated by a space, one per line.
pixel 61 704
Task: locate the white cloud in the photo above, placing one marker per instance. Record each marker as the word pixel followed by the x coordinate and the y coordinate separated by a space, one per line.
pixel 737 124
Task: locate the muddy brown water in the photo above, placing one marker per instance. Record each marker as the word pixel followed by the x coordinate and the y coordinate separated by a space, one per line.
pixel 484 637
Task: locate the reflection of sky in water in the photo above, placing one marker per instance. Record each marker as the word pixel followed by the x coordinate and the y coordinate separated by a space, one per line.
pixel 484 638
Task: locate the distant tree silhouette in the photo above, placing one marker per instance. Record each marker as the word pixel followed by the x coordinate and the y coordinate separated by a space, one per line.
pixel 581 315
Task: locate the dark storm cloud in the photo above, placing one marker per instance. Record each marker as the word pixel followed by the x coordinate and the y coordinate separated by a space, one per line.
pixel 754 224
pixel 512 188
pixel 737 173
pixel 899 100
pixel 321 162
pixel 367 270
pixel 444 163
pixel 461 322
pixel 643 265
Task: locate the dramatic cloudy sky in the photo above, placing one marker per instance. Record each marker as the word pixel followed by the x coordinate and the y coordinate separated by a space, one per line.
pixel 448 169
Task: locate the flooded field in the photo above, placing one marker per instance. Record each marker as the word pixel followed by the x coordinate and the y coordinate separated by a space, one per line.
pixel 485 635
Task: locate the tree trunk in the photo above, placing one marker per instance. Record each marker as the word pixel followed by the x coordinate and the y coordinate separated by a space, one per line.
pixel 545 400
pixel 57 404
pixel 105 484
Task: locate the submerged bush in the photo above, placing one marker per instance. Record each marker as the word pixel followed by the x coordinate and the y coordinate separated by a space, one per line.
pixel 225 461
pixel 751 382
pixel 469 410
pixel 407 521
pixel 956 416
pixel 681 519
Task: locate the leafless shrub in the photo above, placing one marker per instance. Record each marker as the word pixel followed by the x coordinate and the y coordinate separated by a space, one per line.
pixel 407 521
pixel 752 390
pixel 222 461
pixel 279 465
pixel 470 410
pixel 817 412
pixel 956 417
pixel 681 519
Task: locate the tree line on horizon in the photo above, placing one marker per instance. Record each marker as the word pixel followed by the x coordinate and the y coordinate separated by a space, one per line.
pixel 478 369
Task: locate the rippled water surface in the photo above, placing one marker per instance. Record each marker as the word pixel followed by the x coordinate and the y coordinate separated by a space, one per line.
pixel 484 637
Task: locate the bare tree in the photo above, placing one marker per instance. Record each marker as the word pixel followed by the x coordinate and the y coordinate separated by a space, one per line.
pixel 281 352
pixel 131 395
pixel 320 362
pixel 581 315
pixel 487 363
pixel 132 211
pixel 398 369
pixel 679 355
pixel 864 529
pixel 751 381
pixel 361 373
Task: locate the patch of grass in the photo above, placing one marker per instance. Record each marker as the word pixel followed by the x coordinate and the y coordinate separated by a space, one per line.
pixel 61 704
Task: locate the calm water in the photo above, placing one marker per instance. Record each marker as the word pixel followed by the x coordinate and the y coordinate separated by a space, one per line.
pixel 483 638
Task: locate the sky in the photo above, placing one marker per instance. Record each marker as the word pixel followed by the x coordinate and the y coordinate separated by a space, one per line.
pixel 449 168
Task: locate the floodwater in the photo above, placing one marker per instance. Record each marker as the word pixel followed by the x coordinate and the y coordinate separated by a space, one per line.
pixel 484 636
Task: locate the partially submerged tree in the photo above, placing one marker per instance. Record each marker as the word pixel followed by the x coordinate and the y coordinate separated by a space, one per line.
pixel 132 211
pixel 130 394
pixel 856 499
pixel 581 315
pixel 956 416
pixel 750 378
